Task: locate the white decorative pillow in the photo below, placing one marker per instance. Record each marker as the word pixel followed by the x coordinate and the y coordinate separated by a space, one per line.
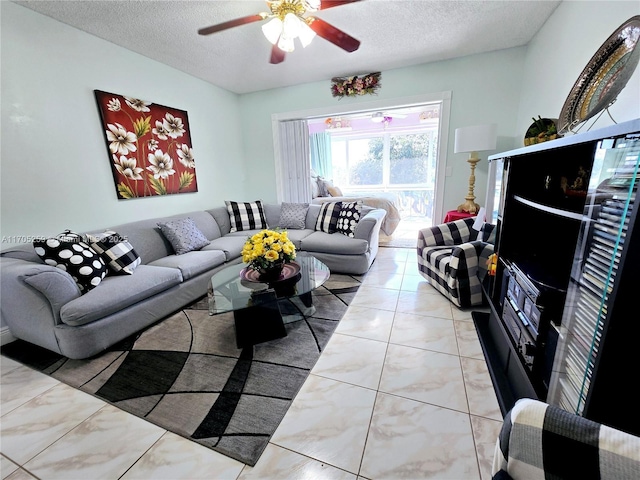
pixel 328 217
pixel 183 235
pixel 293 215
pixel 69 252
pixel 246 215
pixel 349 217
pixel 115 251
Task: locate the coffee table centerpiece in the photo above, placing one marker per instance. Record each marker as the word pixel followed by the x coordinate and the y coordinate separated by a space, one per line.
pixel 266 252
pixel 261 308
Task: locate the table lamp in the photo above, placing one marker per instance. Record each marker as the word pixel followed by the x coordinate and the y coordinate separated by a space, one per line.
pixel 473 140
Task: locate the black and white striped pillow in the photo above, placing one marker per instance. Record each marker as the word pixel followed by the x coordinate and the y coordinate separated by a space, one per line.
pixel 246 215
pixel 115 251
pixel 328 217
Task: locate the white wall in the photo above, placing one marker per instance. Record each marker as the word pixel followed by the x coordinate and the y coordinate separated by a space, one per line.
pixel 56 173
pixel 485 89
pixel 561 50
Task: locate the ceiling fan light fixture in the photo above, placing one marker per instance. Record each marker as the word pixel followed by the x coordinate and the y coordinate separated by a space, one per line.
pixel 312 5
pixel 287 21
pixel 286 44
pixel 272 30
pixel 377 117
pixel 291 26
pixel 306 35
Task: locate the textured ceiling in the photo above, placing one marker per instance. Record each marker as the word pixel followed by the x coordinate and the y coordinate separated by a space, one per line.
pixel 394 33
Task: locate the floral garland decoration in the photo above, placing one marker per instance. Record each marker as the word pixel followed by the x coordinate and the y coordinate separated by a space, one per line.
pixel 355 86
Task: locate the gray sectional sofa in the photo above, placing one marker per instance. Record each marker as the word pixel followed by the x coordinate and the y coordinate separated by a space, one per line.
pixel 43 305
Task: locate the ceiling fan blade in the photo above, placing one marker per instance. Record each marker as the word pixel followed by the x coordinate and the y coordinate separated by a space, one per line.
pixel 232 23
pixel 277 55
pixel 324 4
pixel 333 34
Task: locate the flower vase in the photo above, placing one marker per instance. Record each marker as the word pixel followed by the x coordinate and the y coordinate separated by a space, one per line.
pixel 271 274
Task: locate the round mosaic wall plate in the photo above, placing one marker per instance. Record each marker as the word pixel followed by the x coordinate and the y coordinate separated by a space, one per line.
pixel 604 77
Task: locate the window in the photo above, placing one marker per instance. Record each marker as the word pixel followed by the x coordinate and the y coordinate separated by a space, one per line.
pixel 401 161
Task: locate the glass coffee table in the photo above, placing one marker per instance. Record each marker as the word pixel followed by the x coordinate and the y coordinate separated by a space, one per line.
pixel 261 309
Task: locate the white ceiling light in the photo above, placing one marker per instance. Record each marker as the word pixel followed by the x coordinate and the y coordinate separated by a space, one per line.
pixel 283 30
pixel 272 30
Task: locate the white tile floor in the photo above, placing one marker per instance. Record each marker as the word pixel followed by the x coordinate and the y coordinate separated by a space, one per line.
pixel 401 391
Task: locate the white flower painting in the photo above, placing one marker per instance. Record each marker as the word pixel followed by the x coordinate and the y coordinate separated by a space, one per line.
pixel 149 146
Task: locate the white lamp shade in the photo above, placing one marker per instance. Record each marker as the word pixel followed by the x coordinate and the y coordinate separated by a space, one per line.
pixel 476 138
pixel 272 30
pixel 291 26
pixel 305 34
pixel 286 44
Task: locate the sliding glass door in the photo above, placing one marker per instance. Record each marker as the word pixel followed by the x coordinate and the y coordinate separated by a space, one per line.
pixel 401 163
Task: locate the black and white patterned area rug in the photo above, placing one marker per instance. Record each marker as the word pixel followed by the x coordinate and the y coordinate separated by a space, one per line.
pixel 186 375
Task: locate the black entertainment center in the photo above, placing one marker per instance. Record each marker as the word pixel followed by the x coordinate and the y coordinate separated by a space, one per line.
pixel 562 326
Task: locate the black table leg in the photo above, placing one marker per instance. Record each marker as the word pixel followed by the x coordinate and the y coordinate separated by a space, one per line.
pixel 258 324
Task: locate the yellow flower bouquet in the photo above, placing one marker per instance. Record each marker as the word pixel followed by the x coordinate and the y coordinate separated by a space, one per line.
pixel 267 251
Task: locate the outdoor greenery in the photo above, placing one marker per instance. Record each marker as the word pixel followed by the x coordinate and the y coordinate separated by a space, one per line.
pixel 408 161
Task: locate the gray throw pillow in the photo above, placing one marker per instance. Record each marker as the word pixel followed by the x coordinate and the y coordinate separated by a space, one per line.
pixel 323 187
pixel 293 215
pixel 183 235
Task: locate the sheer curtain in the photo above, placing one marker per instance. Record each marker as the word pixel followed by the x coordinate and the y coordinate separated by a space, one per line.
pixel 294 162
pixel 321 154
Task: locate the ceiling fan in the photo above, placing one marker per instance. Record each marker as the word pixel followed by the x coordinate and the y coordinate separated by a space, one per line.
pixel 379 117
pixel 288 21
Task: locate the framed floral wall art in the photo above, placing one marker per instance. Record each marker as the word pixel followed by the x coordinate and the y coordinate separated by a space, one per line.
pixel 149 147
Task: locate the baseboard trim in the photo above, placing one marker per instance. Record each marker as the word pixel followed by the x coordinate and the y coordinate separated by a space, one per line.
pixel 5 336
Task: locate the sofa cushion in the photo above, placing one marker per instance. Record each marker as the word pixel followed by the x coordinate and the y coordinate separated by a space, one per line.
pixel 69 252
pixel 118 292
pixel 221 218
pixel 326 243
pixel 328 217
pixel 296 236
pixel 272 214
pixel 53 283
pixel 147 239
pixel 231 245
pixel 293 215
pixel 184 235
pixel 246 215
pixel 115 251
pixel 193 263
pixel 349 217
pixel 23 251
